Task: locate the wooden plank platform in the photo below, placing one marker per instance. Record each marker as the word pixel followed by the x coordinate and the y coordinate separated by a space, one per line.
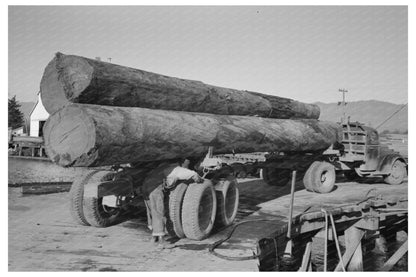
pixel 277 210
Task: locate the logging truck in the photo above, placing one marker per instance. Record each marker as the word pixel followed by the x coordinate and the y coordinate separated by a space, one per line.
pixel 358 155
pixel 101 197
pixel 107 115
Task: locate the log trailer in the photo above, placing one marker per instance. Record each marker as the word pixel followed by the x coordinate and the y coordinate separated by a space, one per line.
pixel 101 197
pixel 136 123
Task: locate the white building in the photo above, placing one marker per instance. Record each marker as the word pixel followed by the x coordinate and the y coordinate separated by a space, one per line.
pixel 38 117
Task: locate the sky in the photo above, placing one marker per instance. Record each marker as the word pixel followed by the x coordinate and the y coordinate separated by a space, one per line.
pixel 305 53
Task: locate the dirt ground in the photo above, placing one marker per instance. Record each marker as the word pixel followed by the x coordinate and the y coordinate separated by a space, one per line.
pixel 26 170
pixel 43 236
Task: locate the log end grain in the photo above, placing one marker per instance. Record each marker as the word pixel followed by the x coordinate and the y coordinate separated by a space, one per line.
pixel 70 136
pixel 64 79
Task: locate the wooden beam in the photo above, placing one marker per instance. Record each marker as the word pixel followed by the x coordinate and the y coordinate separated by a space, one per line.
pixel 353 238
pixel 395 258
pixel 349 252
pixel 45 188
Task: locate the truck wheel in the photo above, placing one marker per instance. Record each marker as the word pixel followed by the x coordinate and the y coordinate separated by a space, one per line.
pixel 227 201
pixel 76 197
pixel 175 209
pixel 95 212
pixel 397 174
pixel 199 209
pixel 308 177
pixel 275 176
pixel 320 177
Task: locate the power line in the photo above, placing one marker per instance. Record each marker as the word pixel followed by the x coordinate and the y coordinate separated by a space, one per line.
pixel 401 108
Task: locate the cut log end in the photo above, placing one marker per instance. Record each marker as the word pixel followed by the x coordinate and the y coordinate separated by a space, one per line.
pixel 70 136
pixel 64 79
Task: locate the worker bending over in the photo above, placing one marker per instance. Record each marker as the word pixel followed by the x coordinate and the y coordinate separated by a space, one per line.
pixel 162 179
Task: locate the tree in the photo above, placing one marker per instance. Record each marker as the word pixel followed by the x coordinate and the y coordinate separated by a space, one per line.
pixel 15 115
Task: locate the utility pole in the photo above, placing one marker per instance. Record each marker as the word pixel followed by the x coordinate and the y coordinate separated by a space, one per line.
pixel 343 103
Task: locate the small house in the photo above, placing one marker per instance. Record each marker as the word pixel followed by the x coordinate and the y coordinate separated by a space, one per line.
pixel 38 117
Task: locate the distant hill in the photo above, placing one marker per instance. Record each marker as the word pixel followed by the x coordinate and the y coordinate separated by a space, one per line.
pixel 371 112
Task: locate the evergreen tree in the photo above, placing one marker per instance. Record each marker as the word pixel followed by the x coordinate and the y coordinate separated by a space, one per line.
pixel 15 115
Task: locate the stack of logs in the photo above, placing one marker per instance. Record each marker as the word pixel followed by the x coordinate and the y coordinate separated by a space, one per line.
pixel 106 114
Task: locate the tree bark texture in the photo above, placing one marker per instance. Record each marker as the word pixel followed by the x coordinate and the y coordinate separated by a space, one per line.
pixel 74 79
pixel 92 135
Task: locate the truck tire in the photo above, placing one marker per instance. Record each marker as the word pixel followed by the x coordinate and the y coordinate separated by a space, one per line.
pixel 320 177
pixel 308 177
pixel 275 176
pixel 97 214
pixel 76 197
pixel 199 210
pixel 175 209
pixel 227 202
pixel 397 174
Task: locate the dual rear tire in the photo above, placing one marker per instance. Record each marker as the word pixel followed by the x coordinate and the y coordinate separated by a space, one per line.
pixel 195 209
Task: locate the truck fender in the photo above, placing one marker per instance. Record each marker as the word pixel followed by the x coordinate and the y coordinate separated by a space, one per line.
pixel 118 187
pixel 385 162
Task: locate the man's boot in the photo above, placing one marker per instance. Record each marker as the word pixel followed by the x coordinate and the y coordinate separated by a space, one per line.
pixel 154 240
pixel 165 244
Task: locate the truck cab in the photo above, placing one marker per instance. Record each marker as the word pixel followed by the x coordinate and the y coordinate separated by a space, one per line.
pixel 359 154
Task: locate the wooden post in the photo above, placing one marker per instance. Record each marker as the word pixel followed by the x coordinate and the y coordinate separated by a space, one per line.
pixel 306 261
pixel 292 198
pixel 353 236
pixel 381 244
pixel 289 245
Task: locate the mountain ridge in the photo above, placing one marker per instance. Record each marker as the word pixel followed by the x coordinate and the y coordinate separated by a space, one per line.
pixel 369 112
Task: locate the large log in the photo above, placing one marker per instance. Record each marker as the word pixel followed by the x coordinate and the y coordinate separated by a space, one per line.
pixel 92 135
pixel 69 78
